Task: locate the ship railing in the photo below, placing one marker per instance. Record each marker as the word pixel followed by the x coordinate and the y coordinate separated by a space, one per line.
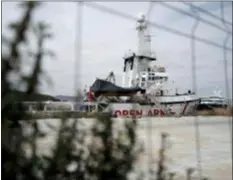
pixel 153 98
pixel 64 106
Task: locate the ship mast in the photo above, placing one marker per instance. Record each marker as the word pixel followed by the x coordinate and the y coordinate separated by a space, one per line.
pixel 144 40
pixel 136 63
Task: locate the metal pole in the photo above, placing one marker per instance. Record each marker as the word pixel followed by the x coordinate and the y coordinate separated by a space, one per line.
pixel 194 86
pixel 150 123
pixel 77 67
pixel 225 41
pixel 78 49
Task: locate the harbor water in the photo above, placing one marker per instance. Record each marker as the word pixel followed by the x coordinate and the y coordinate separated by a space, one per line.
pixel 215 143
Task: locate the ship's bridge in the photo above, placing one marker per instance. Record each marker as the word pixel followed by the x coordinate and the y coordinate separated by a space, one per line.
pixel 150 77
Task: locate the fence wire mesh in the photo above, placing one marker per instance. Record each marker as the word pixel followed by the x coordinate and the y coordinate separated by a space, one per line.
pixel 220 22
pixel 200 47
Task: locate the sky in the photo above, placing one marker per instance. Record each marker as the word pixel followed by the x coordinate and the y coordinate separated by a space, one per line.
pixel 106 37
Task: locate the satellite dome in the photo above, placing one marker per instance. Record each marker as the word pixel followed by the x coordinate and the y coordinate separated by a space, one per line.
pixel 141 16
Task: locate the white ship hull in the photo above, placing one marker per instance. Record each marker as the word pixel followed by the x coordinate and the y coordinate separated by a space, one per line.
pixel 167 106
pixel 174 108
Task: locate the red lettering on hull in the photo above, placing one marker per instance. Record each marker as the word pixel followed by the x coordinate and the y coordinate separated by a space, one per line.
pixel 125 112
pixel 117 113
pixel 151 112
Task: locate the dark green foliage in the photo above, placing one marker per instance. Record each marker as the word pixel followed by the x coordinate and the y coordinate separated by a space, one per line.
pixel 41 32
pixel 20 160
pixel 11 63
pixel 102 153
pixel 15 163
pixel 113 156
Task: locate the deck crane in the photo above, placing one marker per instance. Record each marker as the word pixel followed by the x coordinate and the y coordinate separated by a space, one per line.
pixel 111 78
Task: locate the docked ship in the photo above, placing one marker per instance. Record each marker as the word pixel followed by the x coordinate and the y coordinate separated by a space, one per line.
pixel 144 90
pixel 215 101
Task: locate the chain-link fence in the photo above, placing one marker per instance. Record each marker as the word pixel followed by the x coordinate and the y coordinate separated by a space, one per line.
pixel 193 41
pixel 208 34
